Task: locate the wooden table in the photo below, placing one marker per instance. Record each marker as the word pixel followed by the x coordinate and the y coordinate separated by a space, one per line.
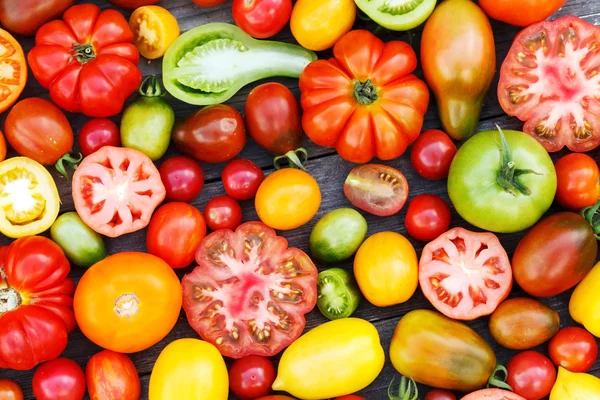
pixel 330 171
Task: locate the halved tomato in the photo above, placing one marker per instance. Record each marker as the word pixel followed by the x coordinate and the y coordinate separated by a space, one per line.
pixel 377 189
pixel 493 394
pixel 551 80
pixel 465 274
pixel 13 70
pixel 116 190
pixel 249 293
pixel 154 29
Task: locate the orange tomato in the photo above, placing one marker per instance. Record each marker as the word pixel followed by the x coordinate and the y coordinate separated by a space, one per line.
pixel 2 147
pixel 111 375
pixel 14 73
pixel 128 301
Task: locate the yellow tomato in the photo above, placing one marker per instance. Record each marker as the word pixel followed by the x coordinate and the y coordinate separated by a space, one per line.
pixel 154 29
pixel 189 369
pixel 334 359
pixel 575 386
pixel 584 305
pixel 318 24
pixel 386 269
pixel 287 199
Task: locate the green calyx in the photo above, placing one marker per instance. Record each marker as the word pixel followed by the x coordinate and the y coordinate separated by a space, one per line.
pixel 498 378
pixel 150 87
pixel 364 92
pixel 592 216
pixel 508 175
pixel 68 160
pixel 295 159
pixel 84 53
pixel 407 390
pixel 399 7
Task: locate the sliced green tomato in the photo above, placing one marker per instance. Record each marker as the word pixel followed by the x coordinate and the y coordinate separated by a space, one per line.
pixel 397 15
pixel 338 293
pixel 81 244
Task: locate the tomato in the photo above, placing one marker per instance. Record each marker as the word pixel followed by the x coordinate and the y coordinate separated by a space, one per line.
pixel 578 181
pixel 25 17
pixel 493 394
pixel 257 304
pixel 176 371
pixel 131 4
pixel 223 212
pixel 175 231
pixel 521 13
pixel 502 181
pixel 154 29
pixel 319 24
pixel 531 375
pixel 97 133
pixel 439 394
pixel 432 153
pixel 276 397
pixel 38 129
pixel 251 377
pixel 87 61
pixel 115 190
pixel 261 18
pixel 209 3
pixel 2 147
pixel 585 300
pixel 242 178
pixel 338 293
pixel 377 189
pixel 428 216
pixel 287 199
pixel 14 67
pixel 183 178
pixel 59 379
pixel 574 349
pixel 10 390
pixel 364 102
pixel 337 235
pixel 81 244
pixel 575 386
pixel 334 359
pixel 127 302
pixel 213 134
pixel 111 375
pixel 385 267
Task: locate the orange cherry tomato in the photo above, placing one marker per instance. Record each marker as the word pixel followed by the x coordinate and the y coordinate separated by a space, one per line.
pixel 10 390
pixel 578 181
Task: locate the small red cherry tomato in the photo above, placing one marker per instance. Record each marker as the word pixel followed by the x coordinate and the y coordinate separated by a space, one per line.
pixel 251 377
pixel 428 216
pixel 59 379
pixel 432 153
pixel 531 375
pixel 223 212
pixel 97 133
pixel 183 178
pixel 574 349
pixel 241 179
pixel 261 18
pixel 578 181
pixel 440 394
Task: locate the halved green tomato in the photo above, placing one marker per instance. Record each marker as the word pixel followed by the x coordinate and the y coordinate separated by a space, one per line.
pixel 338 293
pixel 397 15
pixel 29 200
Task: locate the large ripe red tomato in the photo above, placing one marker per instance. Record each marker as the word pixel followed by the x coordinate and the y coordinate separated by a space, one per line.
pixel 439 394
pixel 132 4
pixel 578 181
pixel 26 16
pixel 428 216
pixel 183 178
pixel 36 311
pixel 111 375
pixel 520 12
pixel 87 60
pixel 574 349
pixel 59 379
pixel 531 375
pixel 549 80
pixel 223 212
pixel 97 133
pixel 257 304
pixel 115 190
pixel 261 18
pixel 251 377
pixel 175 231
pixel 242 178
pixel 465 274
pixel 432 153
pixel 10 390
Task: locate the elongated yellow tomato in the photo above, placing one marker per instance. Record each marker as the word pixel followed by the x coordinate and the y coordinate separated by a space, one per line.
pixel 154 29
pixel 334 359
pixel 584 305
pixel 575 386
pixel 386 269
pixel 189 369
pixel 318 24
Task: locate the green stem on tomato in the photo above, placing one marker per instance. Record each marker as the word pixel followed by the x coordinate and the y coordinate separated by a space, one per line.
pixel 407 390
pixel 592 216
pixel 295 158
pixel 84 53
pixel 508 174
pixel 499 382
pixel 64 161
pixel 364 92
pixel 150 87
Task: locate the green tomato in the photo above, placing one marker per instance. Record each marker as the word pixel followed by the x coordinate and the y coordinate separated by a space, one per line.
pixel 81 244
pixel 338 235
pixel 397 15
pixel 338 293
pixel 147 122
pixel 502 181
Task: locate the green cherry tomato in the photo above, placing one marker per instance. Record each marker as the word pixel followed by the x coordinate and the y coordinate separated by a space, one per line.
pixel 338 293
pixel 82 245
pixel 337 235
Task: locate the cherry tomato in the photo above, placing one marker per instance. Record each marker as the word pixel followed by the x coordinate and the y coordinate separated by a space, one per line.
pixel 251 377
pixel 112 375
pixel 97 133
pixel 574 349
pixel 132 4
pixel 223 212
pixel 10 390
pixel 241 179
pixel 209 3
pixel 440 394
pixel 578 181
pixel 428 216
pixel 432 153
pixel 261 18
pixel 59 379
pixel 183 178
pixel 531 375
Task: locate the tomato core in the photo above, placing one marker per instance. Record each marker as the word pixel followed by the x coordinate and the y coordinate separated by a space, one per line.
pixel 84 53
pixel 364 92
pixel 10 299
pixel 126 305
pixel 147 31
pixel 21 204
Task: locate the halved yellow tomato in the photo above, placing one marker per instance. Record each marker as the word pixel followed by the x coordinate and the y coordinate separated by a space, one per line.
pixel 154 29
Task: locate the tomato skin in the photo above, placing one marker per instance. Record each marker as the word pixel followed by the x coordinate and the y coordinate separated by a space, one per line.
pixel 261 18
pixel 521 13
pixel 25 17
pixel 578 181
pixel 223 212
pixel 432 153
pixel 183 178
pixel 574 349
pixel 574 386
pixel 10 390
pixel 97 133
pixel 427 217
pixel 59 379
pixel 439 394
pixel 585 300
pixel 276 397
pixel 2 147
pixel 319 24
pixel 111 375
pixel 131 4
pixel 493 394
pixel 337 235
pixel 251 377
pixel 81 244
pixel 242 178
pixel 208 3
pixel 531 375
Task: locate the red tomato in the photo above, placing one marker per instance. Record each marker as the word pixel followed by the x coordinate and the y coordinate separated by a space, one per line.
pixel 578 181
pixel 251 377
pixel 87 60
pixel 115 190
pixel 261 18
pixel 520 12
pixel 276 397
pixel 209 3
pixel 428 216
pixel 223 212
pixel 132 4
pixel 10 390
pixel 256 305
pixel 241 179
pixel 531 375
pixel 111 376
pixel 376 189
pixel 25 17
pixel 574 349
pixel 97 133
pixel 465 274
pixel 432 153
pixel 59 379
pixel 175 231
pixel 439 394
pixel 492 394
pixel 183 178
pixel 554 92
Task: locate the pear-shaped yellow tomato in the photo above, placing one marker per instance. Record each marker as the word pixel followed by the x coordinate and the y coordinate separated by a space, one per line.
pixel 386 269
pixel 584 305
pixel 334 359
pixel 575 386
pixel 189 369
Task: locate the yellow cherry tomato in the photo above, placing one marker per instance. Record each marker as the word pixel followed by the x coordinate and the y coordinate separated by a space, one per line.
pixel 584 305
pixel 189 369
pixel 318 24
pixel 337 358
pixel 154 29
pixel 287 199
pixel 386 269
pixel 575 386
